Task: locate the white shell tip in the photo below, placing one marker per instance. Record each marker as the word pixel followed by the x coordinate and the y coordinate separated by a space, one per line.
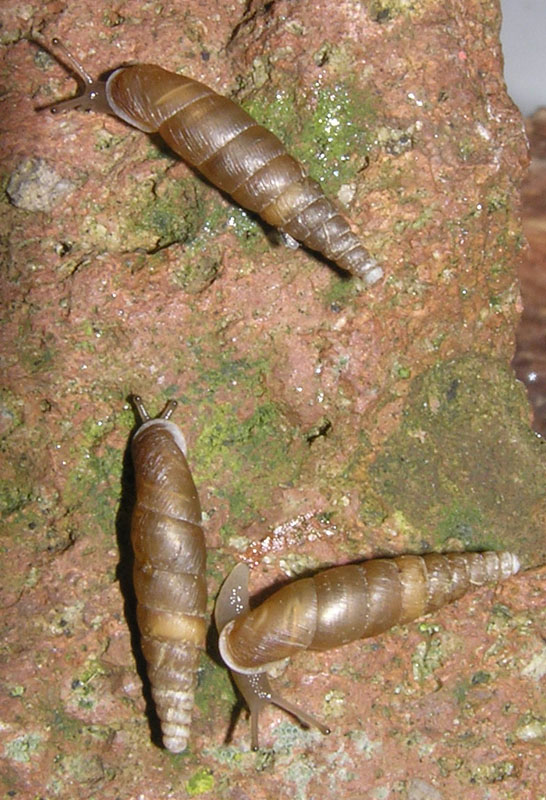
pixel 516 563
pixel 373 275
pixel 509 564
pixel 175 737
pixel 174 745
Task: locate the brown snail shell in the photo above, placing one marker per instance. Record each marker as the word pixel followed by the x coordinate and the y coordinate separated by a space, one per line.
pixel 337 606
pixel 169 570
pixel 241 157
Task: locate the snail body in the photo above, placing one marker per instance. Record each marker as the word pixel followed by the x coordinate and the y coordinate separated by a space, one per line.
pixel 235 153
pixel 337 606
pixel 169 570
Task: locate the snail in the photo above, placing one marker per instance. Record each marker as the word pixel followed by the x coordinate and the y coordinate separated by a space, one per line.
pixel 169 570
pixel 334 607
pixel 236 154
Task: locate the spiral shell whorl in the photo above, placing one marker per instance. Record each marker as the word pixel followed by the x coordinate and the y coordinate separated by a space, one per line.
pixel 244 159
pixel 168 574
pixel 334 607
pixel 343 604
pixel 241 157
pixel 172 671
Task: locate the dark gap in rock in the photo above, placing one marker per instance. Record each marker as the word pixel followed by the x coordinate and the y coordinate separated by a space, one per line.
pixel 529 361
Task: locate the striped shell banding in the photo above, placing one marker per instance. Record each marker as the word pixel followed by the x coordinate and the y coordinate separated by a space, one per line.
pixel 244 159
pixel 169 570
pixel 337 606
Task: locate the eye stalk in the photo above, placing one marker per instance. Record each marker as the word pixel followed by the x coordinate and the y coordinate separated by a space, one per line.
pixel 93 97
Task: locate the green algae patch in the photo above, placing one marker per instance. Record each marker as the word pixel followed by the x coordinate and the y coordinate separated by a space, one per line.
pixel 146 215
pixel 92 485
pixel 251 453
pixel 200 782
pixel 246 447
pixel 248 229
pixel 169 211
pixel 82 769
pixel 198 266
pixel 23 748
pixel 84 686
pixel 215 696
pixel 464 464
pixel 276 109
pixel 95 475
pixel 340 293
pixel 386 10
pixel 336 138
pixel 430 654
pixel 330 129
pixel 14 497
pixel 65 728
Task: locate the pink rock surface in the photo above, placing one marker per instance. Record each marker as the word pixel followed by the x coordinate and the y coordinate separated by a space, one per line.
pixel 325 421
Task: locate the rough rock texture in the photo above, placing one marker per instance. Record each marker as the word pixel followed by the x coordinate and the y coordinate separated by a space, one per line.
pixel 324 421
